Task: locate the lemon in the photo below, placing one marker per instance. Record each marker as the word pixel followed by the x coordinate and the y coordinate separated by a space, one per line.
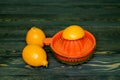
pixel 35 36
pixel 73 32
pixel 34 55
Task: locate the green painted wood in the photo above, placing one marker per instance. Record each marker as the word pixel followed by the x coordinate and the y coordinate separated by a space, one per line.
pixel 100 17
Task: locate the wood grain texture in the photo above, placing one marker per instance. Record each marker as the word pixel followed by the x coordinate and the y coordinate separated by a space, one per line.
pixel 100 17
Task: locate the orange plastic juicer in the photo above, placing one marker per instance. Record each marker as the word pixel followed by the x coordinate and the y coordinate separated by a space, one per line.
pixel 72 52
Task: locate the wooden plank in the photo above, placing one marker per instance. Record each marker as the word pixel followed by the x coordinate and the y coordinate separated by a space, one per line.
pixel 107 38
pixel 102 67
pixel 100 64
pixel 57 10
pixel 58 77
pixel 59 1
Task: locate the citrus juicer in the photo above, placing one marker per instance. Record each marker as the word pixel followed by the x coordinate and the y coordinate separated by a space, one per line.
pixel 72 52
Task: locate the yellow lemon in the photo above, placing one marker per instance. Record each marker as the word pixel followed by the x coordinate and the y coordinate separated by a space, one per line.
pixel 73 32
pixel 34 55
pixel 35 36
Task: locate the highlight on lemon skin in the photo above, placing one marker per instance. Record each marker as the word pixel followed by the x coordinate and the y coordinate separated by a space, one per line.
pixel 35 36
pixel 73 32
pixel 34 55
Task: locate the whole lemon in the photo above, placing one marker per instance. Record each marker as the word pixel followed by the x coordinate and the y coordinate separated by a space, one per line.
pixel 34 55
pixel 35 36
pixel 73 32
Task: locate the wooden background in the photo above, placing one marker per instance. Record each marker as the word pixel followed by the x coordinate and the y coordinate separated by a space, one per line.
pixel 100 17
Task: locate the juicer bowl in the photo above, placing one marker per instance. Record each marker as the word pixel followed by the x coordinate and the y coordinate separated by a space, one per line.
pixel 73 51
